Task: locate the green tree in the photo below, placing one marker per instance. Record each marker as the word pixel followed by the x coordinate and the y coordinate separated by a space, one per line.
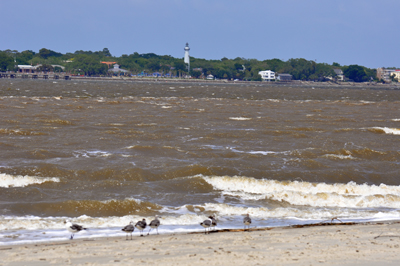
pixel 106 52
pixel 153 65
pixel 25 57
pixel 165 69
pixel 355 73
pixel 195 73
pixel 180 65
pixel 88 65
pixel 45 68
pixel 46 53
pixel 239 67
pixel 6 62
pixel 256 77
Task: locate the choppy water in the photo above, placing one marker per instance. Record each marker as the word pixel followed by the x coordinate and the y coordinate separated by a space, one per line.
pixel 105 153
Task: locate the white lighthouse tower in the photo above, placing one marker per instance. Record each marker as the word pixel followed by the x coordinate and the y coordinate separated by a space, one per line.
pixel 187 58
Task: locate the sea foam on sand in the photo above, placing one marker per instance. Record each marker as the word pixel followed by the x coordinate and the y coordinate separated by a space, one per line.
pixel 337 244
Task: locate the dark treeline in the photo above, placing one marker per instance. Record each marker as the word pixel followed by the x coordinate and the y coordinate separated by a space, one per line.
pixel 89 63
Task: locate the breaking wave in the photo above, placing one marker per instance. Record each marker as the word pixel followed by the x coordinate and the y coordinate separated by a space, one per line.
pixel 385 130
pixel 23 181
pixel 350 195
pixel 240 118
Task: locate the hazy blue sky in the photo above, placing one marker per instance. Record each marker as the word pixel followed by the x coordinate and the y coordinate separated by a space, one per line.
pixel 363 32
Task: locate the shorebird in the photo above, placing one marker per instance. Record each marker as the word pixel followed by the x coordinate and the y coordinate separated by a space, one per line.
pixel 129 229
pixel 154 224
pixel 213 221
pixel 206 224
pixel 73 228
pixel 141 225
pixel 247 221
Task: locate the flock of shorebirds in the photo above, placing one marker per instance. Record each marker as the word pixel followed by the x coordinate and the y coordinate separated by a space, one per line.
pixel 209 224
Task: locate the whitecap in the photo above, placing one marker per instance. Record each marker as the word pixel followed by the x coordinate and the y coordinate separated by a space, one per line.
pixel 387 130
pixel 23 181
pixel 239 118
pixel 350 195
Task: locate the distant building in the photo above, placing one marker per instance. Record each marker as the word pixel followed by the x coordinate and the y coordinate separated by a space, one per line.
pixel 339 74
pixel 267 75
pixel 385 73
pixel 396 75
pixel 26 68
pixel 284 77
pixel 109 64
pixel 33 69
pixel 210 77
pixel 116 70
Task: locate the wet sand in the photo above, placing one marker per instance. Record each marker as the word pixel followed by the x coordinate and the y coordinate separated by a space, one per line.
pixel 358 244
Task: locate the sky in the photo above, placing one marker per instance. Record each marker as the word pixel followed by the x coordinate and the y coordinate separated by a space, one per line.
pixel 362 32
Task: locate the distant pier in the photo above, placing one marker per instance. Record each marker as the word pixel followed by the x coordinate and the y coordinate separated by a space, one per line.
pixel 34 76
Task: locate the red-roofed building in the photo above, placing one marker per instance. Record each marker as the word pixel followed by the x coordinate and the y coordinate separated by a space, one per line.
pixel 109 64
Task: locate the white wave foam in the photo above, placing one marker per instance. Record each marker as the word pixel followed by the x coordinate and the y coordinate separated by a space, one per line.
pixel 312 213
pixel 90 154
pixel 239 118
pixel 262 152
pixel 23 230
pixel 341 157
pixel 23 181
pixel 350 195
pixel 387 130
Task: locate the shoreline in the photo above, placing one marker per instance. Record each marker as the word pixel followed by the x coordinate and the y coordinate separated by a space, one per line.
pixel 325 243
pixel 293 83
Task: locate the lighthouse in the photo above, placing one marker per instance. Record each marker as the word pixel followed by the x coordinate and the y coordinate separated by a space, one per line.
pixel 187 58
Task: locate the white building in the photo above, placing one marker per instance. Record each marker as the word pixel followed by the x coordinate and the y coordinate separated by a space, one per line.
pixel 116 69
pixel 27 68
pixel 396 74
pixel 267 75
pixel 339 74
pixel 33 69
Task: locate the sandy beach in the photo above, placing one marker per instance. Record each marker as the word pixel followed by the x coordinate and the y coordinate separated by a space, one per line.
pixel 362 244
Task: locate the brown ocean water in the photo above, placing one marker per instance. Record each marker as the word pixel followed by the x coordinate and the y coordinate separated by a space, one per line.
pixel 114 149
